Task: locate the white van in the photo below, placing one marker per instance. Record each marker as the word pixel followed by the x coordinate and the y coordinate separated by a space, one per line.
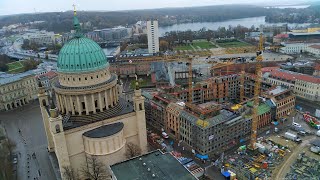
pixel 165 135
pixel 318 133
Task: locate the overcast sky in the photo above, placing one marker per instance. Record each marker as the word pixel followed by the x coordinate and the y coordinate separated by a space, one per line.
pixel 31 6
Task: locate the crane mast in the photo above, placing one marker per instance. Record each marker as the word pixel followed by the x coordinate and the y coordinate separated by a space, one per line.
pixel 190 81
pixel 242 74
pixel 257 88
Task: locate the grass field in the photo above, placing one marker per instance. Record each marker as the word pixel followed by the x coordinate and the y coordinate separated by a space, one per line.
pixel 15 67
pixel 233 44
pixel 183 48
pixel 203 44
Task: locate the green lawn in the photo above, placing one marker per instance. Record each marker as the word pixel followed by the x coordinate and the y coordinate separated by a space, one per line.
pixel 203 44
pixel 233 44
pixel 188 47
pixel 15 67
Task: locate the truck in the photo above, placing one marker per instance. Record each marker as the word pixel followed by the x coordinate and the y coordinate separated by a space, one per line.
pixel 292 137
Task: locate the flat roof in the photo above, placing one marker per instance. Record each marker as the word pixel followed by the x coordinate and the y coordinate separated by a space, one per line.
pixel 104 131
pixel 154 165
pixel 9 78
pixel 277 90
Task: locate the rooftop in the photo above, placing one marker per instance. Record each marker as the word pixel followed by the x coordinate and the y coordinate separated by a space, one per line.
pixel 49 75
pixel 282 36
pixel 304 34
pixel 315 46
pixel 293 76
pixel 224 116
pixel 263 108
pixel 277 90
pixel 154 165
pixel 104 131
pixel 9 78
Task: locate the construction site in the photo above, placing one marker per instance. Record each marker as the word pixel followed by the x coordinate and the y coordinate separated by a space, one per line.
pixel 220 108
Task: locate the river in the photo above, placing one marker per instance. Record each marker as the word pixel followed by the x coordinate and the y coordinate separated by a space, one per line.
pixel 108 50
pixel 246 22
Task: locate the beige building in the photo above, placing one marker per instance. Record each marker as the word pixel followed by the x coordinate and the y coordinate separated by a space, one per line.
pixel 282 99
pixel 17 90
pixel 304 86
pixel 89 117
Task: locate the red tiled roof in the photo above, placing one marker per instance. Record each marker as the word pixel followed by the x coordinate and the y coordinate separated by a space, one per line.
pixel 50 74
pixel 294 76
pixel 282 36
pixel 269 69
pixel 317 67
pixel 315 46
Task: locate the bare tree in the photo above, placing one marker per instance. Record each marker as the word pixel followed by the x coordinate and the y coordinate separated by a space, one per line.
pixel 132 150
pixel 94 169
pixel 69 173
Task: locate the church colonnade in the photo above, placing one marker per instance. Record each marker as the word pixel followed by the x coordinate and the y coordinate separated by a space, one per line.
pixel 88 102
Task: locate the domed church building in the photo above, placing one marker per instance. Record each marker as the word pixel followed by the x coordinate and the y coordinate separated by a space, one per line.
pixel 88 117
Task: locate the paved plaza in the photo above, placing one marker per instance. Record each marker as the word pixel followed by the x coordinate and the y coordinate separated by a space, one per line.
pixel 31 139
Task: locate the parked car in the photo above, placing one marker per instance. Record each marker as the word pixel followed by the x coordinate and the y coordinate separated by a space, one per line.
pixel 303 133
pixel 14 159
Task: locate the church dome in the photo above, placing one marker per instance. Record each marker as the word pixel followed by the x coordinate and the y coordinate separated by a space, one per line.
pixel 81 54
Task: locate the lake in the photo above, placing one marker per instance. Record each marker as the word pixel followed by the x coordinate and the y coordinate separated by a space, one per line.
pixel 246 22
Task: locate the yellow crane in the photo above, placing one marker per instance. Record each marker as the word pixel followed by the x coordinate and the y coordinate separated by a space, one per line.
pixel 257 85
pixel 190 80
pixel 242 74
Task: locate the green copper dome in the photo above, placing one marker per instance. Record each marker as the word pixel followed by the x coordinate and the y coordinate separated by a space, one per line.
pixel 81 54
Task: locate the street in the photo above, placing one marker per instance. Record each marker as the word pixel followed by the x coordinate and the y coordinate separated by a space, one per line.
pixel 25 129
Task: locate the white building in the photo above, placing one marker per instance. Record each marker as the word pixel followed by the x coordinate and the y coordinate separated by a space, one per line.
pixel 304 86
pixel 314 50
pixel 153 36
pixel 296 48
pixel 40 37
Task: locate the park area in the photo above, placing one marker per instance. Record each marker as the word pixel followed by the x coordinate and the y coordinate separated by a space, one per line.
pixel 196 45
pixel 232 43
pixel 15 67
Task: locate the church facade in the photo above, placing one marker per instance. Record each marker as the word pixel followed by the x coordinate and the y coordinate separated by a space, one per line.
pixel 88 116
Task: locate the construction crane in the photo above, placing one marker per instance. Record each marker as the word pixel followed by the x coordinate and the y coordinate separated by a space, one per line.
pixel 242 74
pixel 190 80
pixel 221 65
pixel 257 85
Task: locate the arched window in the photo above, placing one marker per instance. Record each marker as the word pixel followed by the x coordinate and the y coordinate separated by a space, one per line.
pixel 57 128
pixel 44 102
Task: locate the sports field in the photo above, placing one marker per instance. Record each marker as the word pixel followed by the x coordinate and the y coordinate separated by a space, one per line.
pixel 188 47
pixel 233 44
pixel 15 67
pixel 203 44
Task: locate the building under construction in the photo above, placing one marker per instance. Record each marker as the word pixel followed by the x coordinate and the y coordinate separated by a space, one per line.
pixel 211 126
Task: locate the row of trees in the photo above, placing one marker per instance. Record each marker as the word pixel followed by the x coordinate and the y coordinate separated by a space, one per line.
pixel 6 166
pixel 4 60
pixel 30 64
pixel 62 21
pixel 292 15
pixel 94 169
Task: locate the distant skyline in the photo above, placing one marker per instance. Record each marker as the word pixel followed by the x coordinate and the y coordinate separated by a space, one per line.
pixel 8 7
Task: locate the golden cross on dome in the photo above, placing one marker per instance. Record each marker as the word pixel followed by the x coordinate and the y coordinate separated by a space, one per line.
pixel 74 9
